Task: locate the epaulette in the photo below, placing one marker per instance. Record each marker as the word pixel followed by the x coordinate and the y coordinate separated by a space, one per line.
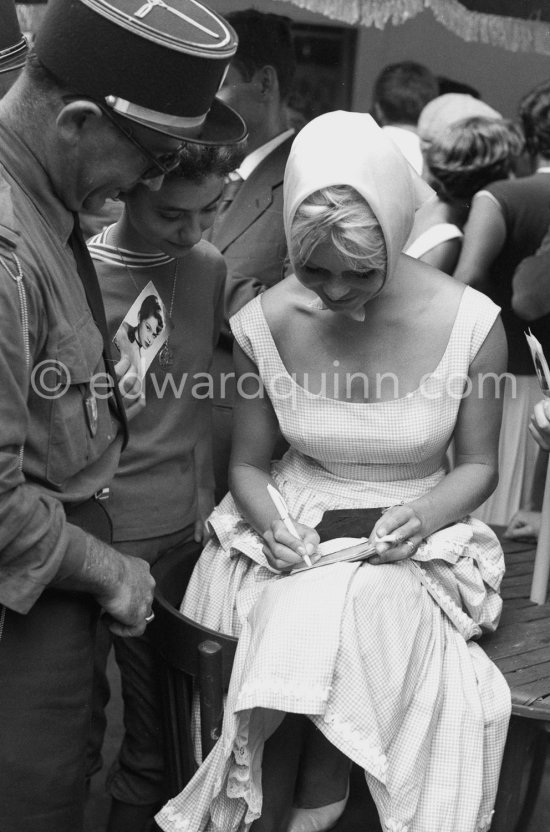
pixel 9 236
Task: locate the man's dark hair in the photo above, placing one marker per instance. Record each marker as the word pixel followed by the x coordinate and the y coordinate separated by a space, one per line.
pixel 402 91
pixel 450 85
pixel 198 162
pixel 264 40
pixel 534 113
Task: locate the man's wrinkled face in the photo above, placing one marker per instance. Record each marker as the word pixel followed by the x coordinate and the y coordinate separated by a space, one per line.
pixel 108 164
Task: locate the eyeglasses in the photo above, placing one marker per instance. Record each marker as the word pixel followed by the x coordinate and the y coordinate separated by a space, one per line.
pixel 160 165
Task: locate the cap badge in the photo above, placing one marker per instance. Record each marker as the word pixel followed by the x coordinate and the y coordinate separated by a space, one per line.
pixel 149 5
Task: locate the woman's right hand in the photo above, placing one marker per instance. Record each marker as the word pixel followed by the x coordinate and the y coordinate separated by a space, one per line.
pixel 539 426
pixel 284 551
pixel 524 524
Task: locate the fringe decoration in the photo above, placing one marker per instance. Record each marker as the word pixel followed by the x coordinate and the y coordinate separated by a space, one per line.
pixel 396 12
pixel 344 11
pixel 510 33
pixel 514 34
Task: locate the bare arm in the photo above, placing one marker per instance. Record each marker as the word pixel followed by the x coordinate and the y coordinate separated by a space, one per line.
pixel 255 432
pixel 475 474
pixel 121 585
pixel 444 256
pixel 484 236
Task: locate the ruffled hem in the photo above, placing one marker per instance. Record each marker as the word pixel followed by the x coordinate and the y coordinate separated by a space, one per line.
pixel 358 747
pixel 234 534
pixel 240 783
pixel 468 538
pixel 280 694
pixel 174 819
pixel 392 825
pixel 465 625
pixel 485 822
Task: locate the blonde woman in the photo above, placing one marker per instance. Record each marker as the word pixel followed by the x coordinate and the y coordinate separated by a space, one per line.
pixel 368 361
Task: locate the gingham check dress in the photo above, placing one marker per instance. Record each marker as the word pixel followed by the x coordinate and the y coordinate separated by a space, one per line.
pixel 381 658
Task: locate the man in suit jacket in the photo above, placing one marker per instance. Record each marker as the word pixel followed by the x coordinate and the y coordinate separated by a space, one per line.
pixel 400 93
pixel 248 229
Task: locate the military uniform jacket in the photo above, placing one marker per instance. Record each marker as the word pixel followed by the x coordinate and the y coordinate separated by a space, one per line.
pixel 69 441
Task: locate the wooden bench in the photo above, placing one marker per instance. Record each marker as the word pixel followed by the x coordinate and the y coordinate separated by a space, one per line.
pixel 521 649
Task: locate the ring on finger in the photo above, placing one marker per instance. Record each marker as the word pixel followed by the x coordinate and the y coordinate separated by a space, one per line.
pixel 149 618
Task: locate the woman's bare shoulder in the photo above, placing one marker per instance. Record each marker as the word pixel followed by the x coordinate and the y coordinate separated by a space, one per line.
pixel 284 299
pixel 430 293
pixel 422 276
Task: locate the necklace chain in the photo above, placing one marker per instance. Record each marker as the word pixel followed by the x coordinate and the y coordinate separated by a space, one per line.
pixel 130 275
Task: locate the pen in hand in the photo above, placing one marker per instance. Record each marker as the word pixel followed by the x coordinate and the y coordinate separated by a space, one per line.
pixel 392 539
pixel 283 513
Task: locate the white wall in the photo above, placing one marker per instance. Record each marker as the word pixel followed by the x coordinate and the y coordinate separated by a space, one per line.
pixel 501 76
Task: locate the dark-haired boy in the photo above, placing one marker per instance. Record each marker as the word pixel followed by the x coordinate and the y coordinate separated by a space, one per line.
pixel 164 487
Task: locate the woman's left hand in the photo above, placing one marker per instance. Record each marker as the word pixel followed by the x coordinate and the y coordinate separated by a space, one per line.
pixel 402 527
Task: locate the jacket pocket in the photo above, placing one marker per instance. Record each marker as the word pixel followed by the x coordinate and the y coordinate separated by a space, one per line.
pixel 78 358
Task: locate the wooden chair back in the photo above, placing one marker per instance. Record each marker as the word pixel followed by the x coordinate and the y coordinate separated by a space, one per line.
pixel 190 656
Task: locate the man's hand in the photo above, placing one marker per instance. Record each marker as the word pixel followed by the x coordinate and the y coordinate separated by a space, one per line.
pixel 524 524
pixel 128 601
pixel 122 586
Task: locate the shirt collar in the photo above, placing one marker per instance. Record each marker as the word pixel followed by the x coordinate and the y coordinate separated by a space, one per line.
pixel 251 162
pixel 22 165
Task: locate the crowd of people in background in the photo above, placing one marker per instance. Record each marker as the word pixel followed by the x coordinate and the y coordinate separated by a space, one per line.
pixel 248 287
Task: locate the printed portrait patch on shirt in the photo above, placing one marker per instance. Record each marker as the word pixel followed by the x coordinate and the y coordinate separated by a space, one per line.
pixel 143 331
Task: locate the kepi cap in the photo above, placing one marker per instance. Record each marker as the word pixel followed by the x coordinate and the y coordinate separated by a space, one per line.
pixel 156 63
pixel 13 45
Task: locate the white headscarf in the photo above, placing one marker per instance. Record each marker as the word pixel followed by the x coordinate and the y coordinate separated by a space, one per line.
pixel 342 148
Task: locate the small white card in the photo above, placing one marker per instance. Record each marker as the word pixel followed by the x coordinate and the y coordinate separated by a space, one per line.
pixel 338 550
pixel 539 360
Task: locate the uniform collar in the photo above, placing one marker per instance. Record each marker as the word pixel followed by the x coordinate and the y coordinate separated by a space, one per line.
pixel 22 165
